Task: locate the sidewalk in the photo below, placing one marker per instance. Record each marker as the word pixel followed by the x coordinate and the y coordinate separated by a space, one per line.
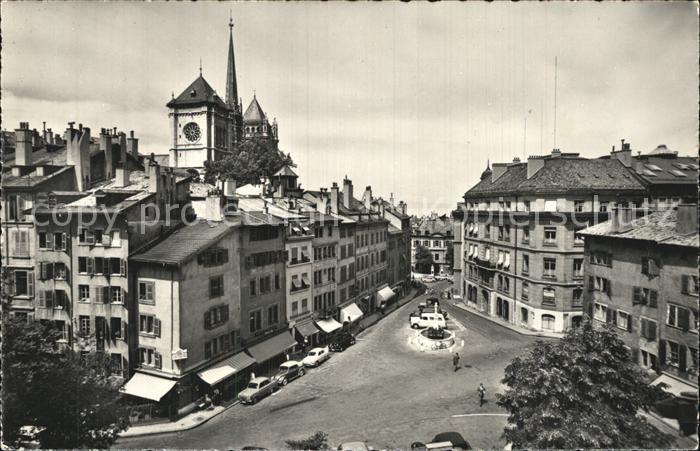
pixel 200 417
pixel 185 423
pixel 512 327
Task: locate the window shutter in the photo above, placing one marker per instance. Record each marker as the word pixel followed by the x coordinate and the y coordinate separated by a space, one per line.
pixel 90 265
pixel 635 355
pixel 156 327
pixel 123 330
pixel 591 283
pixel 42 299
pixel 608 315
pixel 608 288
pixel 636 296
pixel 630 328
pixel 98 295
pixel 106 295
pixel 682 357
pixel 158 360
pixel 684 283
pixel 49 271
pixel 122 267
pixel 662 352
pixel 50 296
pixel 652 330
pixel 653 298
pixel 30 283
pixel 207 319
pixel 49 241
pixel 614 317
pixel 64 242
pixel 683 318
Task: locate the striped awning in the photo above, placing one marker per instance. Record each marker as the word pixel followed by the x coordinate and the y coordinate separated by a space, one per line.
pixel 225 368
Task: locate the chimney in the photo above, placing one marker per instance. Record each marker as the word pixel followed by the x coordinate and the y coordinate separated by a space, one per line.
pixel 121 178
pixel 497 170
pixel 78 154
pixel 624 155
pixel 347 192
pixel 132 144
pixel 212 207
pixel 516 160
pixel 367 197
pixel 622 219
pixel 43 134
pixel 687 219
pixel 35 138
pixel 230 187
pixel 122 147
pixel 391 200
pixel 334 198
pixel 106 148
pixel 50 136
pixel 23 146
pixel 322 204
pixel 154 180
pixel 534 164
pixel 380 204
pixel 100 198
pixel 403 206
pixel 556 153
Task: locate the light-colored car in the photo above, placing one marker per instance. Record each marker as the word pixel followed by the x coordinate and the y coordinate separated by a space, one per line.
pixel 355 446
pixel 427 319
pixel 289 370
pixel 257 389
pixel 316 356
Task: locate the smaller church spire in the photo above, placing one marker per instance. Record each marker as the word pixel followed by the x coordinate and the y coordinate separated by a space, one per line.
pixel 200 66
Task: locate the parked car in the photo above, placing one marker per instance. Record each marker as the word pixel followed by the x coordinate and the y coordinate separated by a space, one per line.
pixel 257 389
pixel 289 370
pixel 355 446
pixel 428 279
pixel 420 320
pixel 316 356
pixel 448 440
pixel 341 342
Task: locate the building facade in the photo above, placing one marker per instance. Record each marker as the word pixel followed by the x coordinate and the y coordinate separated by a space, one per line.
pixel 642 279
pixel 434 233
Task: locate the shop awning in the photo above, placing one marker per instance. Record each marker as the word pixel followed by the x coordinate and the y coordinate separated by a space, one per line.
pixel 350 313
pixel 384 295
pixel 272 347
pixel 328 325
pixel 226 368
pixel 306 329
pixel 675 386
pixel 147 386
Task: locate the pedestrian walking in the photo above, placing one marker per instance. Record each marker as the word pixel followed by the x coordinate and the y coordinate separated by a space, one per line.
pixel 482 393
pixel 455 361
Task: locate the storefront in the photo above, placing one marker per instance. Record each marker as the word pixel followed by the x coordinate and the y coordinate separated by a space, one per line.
pixel 271 352
pixel 228 376
pixel 150 397
pixel 307 334
pixel 328 326
pixel 384 296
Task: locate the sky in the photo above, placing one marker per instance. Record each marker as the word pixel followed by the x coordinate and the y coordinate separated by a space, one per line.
pixel 410 98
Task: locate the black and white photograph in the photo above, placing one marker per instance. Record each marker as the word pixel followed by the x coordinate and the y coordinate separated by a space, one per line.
pixel 396 225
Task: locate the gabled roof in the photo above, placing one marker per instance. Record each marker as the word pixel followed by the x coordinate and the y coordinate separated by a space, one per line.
pixel 186 242
pixel 440 225
pixel 659 227
pixel 560 175
pixel 286 171
pixel 197 93
pixel 254 113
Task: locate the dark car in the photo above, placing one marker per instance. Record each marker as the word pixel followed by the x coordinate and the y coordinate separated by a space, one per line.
pixel 340 342
pixel 455 438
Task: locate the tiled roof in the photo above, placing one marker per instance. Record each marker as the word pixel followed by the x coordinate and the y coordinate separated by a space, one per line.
pixel 433 226
pixel 561 175
pixel 30 180
pixel 667 169
pixel 659 227
pixel 198 92
pixel 254 113
pixel 184 243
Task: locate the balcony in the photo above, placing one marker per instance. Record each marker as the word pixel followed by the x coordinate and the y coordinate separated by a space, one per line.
pixel 299 261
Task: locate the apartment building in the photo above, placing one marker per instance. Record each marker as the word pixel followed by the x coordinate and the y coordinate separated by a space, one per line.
pixel 642 278
pixel 435 233
pixel 522 259
pixel 398 244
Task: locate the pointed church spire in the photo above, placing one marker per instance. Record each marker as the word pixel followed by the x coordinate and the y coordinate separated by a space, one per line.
pixel 231 85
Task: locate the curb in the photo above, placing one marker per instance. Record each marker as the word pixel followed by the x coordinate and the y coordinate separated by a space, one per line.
pixel 506 326
pixel 184 428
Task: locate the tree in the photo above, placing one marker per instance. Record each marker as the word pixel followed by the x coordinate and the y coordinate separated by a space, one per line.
pixel 317 441
pixel 449 254
pixel 251 160
pixel 424 259
pixel 583 391
pixel 74 398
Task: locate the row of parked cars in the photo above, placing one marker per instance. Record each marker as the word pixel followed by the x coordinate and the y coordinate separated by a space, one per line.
pixel 260 387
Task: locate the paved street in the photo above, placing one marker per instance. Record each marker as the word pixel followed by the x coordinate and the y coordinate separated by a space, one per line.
pixel 381 390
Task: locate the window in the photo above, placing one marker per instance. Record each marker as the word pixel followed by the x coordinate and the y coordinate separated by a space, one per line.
pixel 295 305
pixel 673 356
pixel 603 207
pixel 216 316
pixel 16 207
pixel 265 284
pixel 60 241
pixel 550 268
pixel 216 286
pixel 277 282
pixel 599 284
pixel 647 329
pixel 547 322
pixel 624 321
pixel 578 268
pixel 578 206
pixel 577 299
pixel 601 258
pixel 600 312
pixel 84 324
pixel 116 295
pixel 149 357
pixel 579 240
pixel 549 297
pixel 115 328
pixel 550 235
pixel 255 321
pixel 645 296
pixel 650 266
pixel 526 234
pixel 149 325
pixel 86 236
pixel 272 314
pixel 20 243
pixel 526 264
pixel 689 284
pixel 23 283
pixel 147 292
pixel 213 257
pixel 678 316
pixel 45 241
pixel 252 287
pixel 526 290
pixel 84 293
pixel 648 360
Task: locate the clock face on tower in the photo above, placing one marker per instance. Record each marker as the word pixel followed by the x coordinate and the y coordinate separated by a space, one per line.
pixel 192 131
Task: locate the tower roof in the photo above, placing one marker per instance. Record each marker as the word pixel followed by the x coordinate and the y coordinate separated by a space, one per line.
pixel 231 84
pixel 197 93
pixel 254 113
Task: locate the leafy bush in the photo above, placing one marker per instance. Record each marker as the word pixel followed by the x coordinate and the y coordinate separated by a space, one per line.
pixel 317 441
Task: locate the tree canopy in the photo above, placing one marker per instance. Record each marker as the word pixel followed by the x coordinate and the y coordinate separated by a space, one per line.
pixel 583 391
pixel 251 160
pixel 424 259
pixel 74 398
pixel 318 441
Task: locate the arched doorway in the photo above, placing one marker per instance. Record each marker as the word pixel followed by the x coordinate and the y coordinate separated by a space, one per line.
pixel 576 321
pixel 485 301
